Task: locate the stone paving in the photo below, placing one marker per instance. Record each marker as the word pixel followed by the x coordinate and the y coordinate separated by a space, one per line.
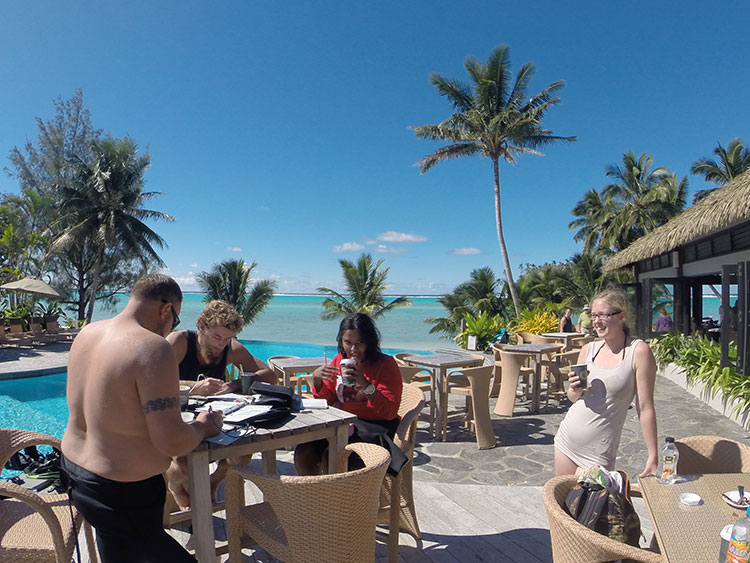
pixel 525 447
pixel 40 358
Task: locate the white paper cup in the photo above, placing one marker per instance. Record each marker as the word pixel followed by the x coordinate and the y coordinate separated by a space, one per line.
pixel 582 371
pixel 184 396
pixel 346 365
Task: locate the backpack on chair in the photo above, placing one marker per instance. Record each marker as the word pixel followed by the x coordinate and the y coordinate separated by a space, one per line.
pixel 605 510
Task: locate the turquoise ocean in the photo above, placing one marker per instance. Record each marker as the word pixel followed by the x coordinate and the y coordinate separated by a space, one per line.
pixel 296 318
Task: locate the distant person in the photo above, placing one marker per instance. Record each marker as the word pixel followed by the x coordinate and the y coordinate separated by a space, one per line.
pixel 125 425
pixel 209 351
pixel 566 324
pixel 664 322
pixel 374 398
pixel 585 324
pixel 621 368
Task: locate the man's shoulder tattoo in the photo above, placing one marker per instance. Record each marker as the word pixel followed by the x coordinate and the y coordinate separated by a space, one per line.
pixel 160 404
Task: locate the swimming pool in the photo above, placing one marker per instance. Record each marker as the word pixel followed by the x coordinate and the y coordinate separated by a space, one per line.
pixel 38 403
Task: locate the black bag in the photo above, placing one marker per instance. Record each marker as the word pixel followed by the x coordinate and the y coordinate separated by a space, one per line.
pixel 608 512
pixel 278 397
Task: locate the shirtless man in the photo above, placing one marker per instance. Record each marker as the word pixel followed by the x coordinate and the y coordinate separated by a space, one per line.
pixel 125 424
pixel 209 351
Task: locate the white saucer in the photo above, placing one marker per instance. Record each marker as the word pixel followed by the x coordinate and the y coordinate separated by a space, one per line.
pixel 691 499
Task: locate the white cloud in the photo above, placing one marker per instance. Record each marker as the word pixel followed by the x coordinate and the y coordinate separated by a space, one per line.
pixel 383 249
pixel 348 247
pixel 465 251
pixel 193 265
pixel 234 249
pixel 395 236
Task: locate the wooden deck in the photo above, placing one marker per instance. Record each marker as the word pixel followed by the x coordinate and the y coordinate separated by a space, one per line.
pixel 459 523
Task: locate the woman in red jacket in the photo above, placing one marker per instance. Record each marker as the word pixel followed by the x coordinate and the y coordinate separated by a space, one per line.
pixel 374 397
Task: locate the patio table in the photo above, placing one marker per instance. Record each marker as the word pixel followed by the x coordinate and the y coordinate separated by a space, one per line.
pixel 292 366
pixel 535 351
pixel 690 534
pixel 441 363
pixel 331 424
pixel 566 337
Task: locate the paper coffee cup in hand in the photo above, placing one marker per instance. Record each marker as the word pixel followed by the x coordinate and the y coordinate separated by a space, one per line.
pixel 348 364
pixel 582 371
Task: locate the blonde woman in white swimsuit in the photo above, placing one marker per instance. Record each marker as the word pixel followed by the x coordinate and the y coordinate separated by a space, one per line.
pixel 621 368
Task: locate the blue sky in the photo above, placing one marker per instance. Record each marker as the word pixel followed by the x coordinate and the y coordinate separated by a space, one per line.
pixel 278 131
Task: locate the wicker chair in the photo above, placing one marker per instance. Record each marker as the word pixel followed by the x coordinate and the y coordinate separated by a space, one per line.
pixel 330 516
pixel 476 414
pixel 36 528
pixel 712 454
pixel 412 402
pixel 573 542
pixel 413 375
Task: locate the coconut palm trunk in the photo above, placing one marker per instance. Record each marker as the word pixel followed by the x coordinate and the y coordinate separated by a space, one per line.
pixel 94 286
pixel 501 238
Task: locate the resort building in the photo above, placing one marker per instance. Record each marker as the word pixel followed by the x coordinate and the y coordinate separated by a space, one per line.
pixel 704 249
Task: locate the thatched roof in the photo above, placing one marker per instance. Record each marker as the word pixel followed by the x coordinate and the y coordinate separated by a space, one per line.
pixel 721 209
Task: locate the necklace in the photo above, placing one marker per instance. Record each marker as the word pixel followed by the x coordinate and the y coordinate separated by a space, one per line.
pixel 624 344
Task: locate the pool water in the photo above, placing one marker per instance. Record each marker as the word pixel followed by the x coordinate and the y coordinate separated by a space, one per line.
pixel 38 403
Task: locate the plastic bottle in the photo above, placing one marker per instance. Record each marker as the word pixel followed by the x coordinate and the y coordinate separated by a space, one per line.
pixel 669 462
pixel 738 545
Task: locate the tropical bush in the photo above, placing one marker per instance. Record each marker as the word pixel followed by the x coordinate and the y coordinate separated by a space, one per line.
pixel 535 321
pixel 483 326
pixel 701 360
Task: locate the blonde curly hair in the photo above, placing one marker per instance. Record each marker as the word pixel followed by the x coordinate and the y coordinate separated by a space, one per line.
pixel 220 313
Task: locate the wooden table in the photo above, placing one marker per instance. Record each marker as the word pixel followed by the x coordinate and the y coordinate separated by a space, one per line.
pixel 293 366
pixel 566 337
pixel 331 424
pixel 536 351
pixel 690 534
pixel 441 363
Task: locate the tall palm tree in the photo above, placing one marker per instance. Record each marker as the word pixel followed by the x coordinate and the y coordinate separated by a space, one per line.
pixel 732 161
pixel 230 281
pixel 494 118
pixel 103 208
pixel 365 284
pixel 636 203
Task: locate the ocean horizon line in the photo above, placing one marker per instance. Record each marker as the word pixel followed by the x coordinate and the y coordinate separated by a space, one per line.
pixel 419 296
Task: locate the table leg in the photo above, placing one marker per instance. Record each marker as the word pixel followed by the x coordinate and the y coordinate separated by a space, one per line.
pixel 269 462
pixel 442 403
pixel 536 386
pixel 336 444
pixel 201 507
pixel 287 378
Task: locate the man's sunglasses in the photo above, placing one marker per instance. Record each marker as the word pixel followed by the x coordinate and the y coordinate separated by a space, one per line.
pixel 175 316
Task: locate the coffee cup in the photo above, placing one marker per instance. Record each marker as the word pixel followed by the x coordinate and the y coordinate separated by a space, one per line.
pixel 582 371
pixel 247 379
pixel 184 396
pixel 347 365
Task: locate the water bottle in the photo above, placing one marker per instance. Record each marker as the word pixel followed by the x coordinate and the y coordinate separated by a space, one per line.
pixel 669 462
pixel 738 545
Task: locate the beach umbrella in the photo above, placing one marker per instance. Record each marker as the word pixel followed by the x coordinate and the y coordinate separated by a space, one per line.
pixel 34 286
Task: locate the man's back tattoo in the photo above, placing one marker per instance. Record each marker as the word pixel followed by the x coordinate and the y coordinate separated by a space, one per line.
pixel 160 404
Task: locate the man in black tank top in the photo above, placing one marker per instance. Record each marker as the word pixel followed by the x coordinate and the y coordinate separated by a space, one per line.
pixel 212 348
pixel 208 352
